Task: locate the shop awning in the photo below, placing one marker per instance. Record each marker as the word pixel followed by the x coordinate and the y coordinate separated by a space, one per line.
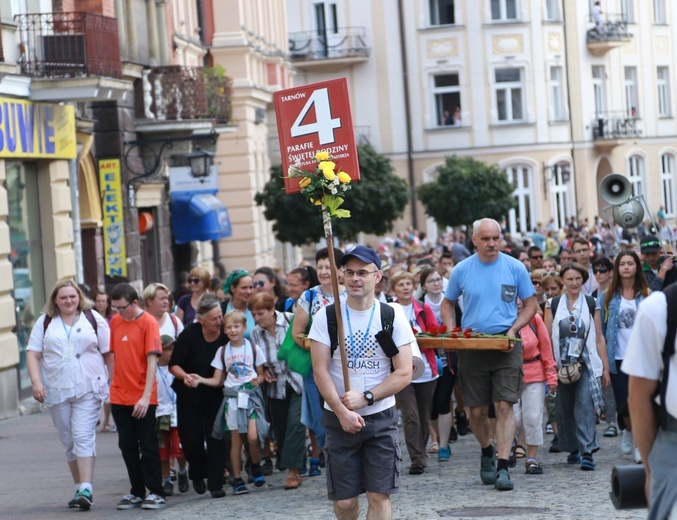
pixel 199 217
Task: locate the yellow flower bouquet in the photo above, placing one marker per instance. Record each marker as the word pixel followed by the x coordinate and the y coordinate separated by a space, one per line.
pixel 325 186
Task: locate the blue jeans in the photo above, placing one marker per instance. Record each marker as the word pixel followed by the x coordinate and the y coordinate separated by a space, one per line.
pixel 576 416
pixel 311 409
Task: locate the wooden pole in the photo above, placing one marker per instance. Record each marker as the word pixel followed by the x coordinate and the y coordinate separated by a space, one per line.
pixel 326 219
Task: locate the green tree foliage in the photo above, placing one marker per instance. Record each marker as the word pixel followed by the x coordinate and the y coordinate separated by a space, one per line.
pixel 467 190
pixel 375 202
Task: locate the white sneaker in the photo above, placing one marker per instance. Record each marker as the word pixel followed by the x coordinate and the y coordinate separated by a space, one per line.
pixel 153 502
pixel 638 456
pixel 627 442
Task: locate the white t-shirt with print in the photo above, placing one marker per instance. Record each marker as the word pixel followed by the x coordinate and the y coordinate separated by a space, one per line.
pixel 239 363
pixel 367 363
pixel 626 321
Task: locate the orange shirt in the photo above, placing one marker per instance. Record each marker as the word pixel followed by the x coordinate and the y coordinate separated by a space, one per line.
pixel 132 342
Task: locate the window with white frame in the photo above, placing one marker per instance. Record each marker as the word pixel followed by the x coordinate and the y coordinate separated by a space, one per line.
pixel 447 94
pixel 659 13
pixel 509 95
pixel 561 196
pixel 636 174
pixel 552 10
pixel 668 184
pixel 442 12
pixel 504 10
pixel 631 108
pixel 627 11
pixel 599 89
pixel 663 84
pixel 521 218
pixel 557 112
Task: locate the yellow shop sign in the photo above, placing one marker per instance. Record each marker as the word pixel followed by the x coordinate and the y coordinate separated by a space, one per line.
pixel 36 130
pixel 115 252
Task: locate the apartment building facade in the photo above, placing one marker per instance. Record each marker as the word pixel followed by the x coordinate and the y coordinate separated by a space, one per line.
pixel 554 97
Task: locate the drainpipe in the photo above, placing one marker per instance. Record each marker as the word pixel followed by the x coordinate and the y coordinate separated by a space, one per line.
pixel 75 213
pixel 216 258
pixel 571 119
pixel 407 115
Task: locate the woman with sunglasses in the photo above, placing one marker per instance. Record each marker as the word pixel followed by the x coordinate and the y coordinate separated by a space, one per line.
pixel 266 280
pixel 578 341
pixel 619 307
pixel 199 282
pixel 602 270
pixel 537 281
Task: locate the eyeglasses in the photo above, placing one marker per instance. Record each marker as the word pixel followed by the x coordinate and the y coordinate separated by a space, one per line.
pixel 434 280
pixel 194 280
pixel 536 257
pixel 258 284
pixel 536 282
pixel 598 270
pixel 362 273
pixel 120 309
pixel 551 273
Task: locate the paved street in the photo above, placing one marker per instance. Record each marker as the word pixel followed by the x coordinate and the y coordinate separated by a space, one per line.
pixel 36 484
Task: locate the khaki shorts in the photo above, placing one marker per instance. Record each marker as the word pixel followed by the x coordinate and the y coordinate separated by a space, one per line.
pixel 369 460
pixel 488 376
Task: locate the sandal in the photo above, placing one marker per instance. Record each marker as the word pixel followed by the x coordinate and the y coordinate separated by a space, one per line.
pixel 105 429
pixel 434 448
pixel 512 458
pixel 520 452
pixel 293 481
pixel 533 468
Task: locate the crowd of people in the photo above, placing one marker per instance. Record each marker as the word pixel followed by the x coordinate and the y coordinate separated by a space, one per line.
pixel 198 391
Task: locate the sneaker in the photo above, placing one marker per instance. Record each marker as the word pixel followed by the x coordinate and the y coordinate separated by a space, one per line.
pixel 218 493
pixel 73 502
pixel 153 502
pixel 638 456
pixel 303 471
pixel 416 470
pixel 453 434
pixel 554 445
pixel 627 442
pixel 548 429
pixel 587 464
pixel 267 467
pixel 239 488
pixel 259 481
pixel 461 423
pixel 183 482
pixel 444 454
pixel 168 488
pixel 503 482
pixel 314 468
pixel 574 458
pixel 172 474
pixel 611 431
pixel 488 470
pixel 199 486
pixel 129 502
pixel 84 499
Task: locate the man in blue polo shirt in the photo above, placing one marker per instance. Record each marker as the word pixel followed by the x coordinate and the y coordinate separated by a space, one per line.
pixel 490 283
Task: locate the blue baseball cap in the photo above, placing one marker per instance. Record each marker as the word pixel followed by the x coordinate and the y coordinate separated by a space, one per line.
pixel 366 254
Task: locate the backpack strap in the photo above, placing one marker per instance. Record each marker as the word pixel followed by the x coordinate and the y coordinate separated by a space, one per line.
pixel 668 348
pixel 387 322
pixel 88 314
pixel 553 305
pixel 533 328
pixel 592 305
pixel 175 322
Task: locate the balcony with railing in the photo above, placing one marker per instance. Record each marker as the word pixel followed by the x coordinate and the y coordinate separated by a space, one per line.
pixel 195 96
pixel 329 48
pixel 67 45
pixel 607 34
pixel 609 129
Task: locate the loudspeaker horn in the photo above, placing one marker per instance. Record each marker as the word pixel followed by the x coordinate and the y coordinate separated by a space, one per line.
pixel 615 188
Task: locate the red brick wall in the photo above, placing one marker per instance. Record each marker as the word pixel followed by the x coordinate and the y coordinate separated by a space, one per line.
pixel 104 7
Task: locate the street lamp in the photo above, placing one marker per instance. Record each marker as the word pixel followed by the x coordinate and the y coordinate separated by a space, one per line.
pixel 200 162
pixel 550 174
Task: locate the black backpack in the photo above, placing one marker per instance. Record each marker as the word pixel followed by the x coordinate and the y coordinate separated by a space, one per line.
pixel 387 320
pixel 668 351
pixel 592 305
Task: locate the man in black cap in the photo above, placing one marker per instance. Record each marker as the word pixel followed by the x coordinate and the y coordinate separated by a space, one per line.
pixel 361 424
pixel 658 269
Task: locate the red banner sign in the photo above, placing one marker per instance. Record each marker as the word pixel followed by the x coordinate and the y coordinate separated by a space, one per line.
pixel 314 118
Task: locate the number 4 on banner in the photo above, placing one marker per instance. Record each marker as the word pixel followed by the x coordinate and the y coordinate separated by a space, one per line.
pixel 324 126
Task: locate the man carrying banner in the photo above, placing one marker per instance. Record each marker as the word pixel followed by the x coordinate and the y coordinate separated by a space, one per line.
pixel 363 452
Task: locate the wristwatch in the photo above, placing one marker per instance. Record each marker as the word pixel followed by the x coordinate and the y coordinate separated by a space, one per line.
pixel 369 397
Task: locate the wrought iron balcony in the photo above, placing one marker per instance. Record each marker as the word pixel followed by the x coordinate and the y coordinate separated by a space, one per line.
pixel 347 44
pixel 615 125
pixel 177 92
pixel 610 33
pixel 69 45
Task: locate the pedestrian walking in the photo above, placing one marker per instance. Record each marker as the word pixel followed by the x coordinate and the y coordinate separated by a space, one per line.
pixel 490 283
pixel 66 363
pixel 362 443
